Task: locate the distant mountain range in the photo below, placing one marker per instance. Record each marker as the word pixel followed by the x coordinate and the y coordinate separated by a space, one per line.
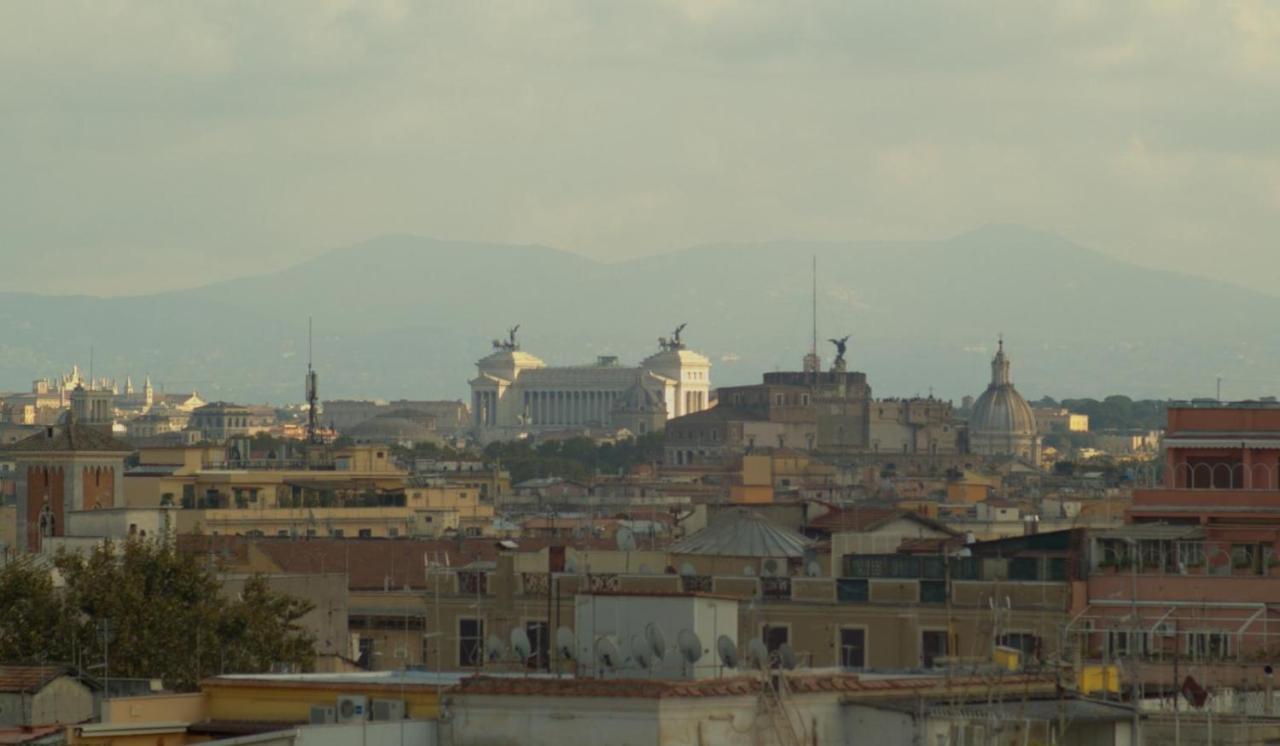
pixel 403 316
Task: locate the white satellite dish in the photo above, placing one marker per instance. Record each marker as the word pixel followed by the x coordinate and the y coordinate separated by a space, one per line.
pixel 580 533
pixel 564 643
pixel 690 646
pixel 770 568
pixel 787 656
pixel 728 651
pixel 657 641
pixel 813 569
pixel 673 660
pixel 749 570
pixel 520 643
pixel 687 569
pixel 640 652
pixel 493 650
pixel 757 654
pixel 571 565
pixel 626 540
pixel 608 654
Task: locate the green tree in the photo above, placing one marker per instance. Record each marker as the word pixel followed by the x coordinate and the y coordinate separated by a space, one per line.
pixel 150 612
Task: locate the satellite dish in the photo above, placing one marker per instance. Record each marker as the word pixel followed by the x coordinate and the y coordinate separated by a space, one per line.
pixel 728 651
pixel 690 646
pixel 346 708
pixel 493 649
pixel 749 570
pixel 813 569
pixel 564 643
pixel 580 532
pixel 687 570
pixel 787 656
pixel 640 651
pixel 571 565
pixel 673 660
pixel 757 654
pixel 770 567
pixel 657 641
pixel 608 654
pixel 520 643
pixel 626 540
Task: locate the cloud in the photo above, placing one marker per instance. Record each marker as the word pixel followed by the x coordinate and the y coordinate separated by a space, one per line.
pixel 165 143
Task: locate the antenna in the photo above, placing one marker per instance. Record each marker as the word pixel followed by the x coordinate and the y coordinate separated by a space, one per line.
pixel 813 350
pixel 690 646
pixel 728 651
pixel 493 650
pixel 608 654
pixel 640 652
pixel 757 654
pixel 313 394
pixel 626 540
pixel 813 569
pixel 787 656
pixel 564 642
pixel 657 641
pixel 520 644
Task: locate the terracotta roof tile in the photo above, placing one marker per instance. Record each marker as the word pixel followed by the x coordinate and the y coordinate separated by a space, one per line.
pixel 20 679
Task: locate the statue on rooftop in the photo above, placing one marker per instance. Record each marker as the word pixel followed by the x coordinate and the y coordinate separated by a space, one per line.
pixel 673 342
pixel 510 342
pixel 841 344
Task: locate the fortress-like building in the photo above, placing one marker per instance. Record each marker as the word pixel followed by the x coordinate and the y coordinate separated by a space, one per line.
pixel 516 393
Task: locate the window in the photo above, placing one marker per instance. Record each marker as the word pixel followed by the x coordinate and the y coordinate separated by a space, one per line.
pixel 853 647
pixel 933 645
pixel 470 642
pixel 933 591
pixel 311 532
pixel 1025 642
pixel 366 652
pixel 282 532
pixel 336 533
pixel 775 636
pixel 1125 643
pixel 852 590
pixel 1209 645
pixel 393 532
pixel 365 533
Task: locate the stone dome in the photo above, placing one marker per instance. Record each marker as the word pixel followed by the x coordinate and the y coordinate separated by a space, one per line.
pixel 1001 409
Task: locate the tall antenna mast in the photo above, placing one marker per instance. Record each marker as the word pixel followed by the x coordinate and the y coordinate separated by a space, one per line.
pixel 812 363
pixel 313 432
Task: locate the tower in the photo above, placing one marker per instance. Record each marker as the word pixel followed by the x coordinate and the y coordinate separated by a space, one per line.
pixel 313 395
pixel 813 363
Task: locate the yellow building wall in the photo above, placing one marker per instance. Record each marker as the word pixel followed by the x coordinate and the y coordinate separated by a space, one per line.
pixel 270 521
pixel 750 494
pixel 967 492
pixel 757 470
pixel 76 737
pixel 185 708
pixel 284 701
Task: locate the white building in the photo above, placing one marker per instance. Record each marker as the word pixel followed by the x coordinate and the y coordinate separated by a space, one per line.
pixel 517 393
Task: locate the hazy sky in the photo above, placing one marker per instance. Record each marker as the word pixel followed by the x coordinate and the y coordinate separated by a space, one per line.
pixel 148 145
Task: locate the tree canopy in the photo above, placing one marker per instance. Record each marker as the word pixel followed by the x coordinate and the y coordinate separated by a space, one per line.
pixel 144 610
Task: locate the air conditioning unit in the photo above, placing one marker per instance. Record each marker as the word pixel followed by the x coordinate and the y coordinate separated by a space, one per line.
pixel 352 708
pixel 387 709
pixel 1164 629
pixel 322 715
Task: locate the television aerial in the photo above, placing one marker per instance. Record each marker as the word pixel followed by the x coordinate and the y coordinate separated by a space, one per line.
pixel 690 646
pixel 640 652
pixel 564 643
pixel 520 644
pixel 626 540
pixel 813 569
pixel 657 641
pixel 493 650
pixel 787 656
pixel 757 654
pixel 608 654
pixel 728 651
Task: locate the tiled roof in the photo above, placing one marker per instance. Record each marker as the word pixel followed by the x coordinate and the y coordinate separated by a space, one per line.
pixel 28 734
pixel 372 563
pixel 746 685
pixel 20 679
pixel 855 519
pixel 70 437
